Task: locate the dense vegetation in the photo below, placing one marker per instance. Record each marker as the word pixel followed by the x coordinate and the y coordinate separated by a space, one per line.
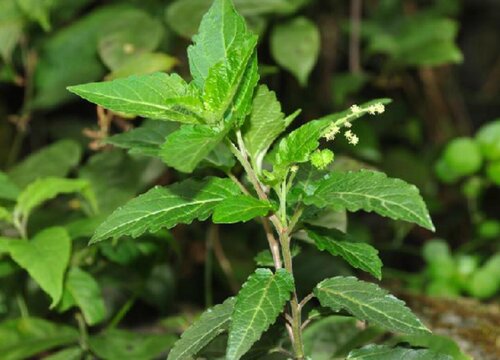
pixel 114 220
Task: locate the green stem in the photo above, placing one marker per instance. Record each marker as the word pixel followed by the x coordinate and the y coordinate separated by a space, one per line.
pixel 121 313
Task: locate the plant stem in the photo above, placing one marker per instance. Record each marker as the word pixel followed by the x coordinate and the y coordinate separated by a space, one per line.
pixel 294 303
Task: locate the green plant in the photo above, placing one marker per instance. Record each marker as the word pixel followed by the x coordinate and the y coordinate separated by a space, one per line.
pixel 224 113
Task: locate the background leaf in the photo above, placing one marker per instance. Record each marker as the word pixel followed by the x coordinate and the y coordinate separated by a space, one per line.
pixel 125 345
pixel 82 290
pixel 54 160
pixel 8 190
pixel 46 258
pixel 295 45
pixel 25 337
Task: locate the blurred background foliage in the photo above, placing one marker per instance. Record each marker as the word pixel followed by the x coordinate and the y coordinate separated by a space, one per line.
pixel 438 60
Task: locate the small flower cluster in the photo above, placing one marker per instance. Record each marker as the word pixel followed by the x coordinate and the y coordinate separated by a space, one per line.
pixel 356 111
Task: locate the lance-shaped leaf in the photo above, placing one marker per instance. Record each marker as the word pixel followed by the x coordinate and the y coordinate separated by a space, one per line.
pixel 383 352
pixel 157 96
pixel 370 191
pixel 45 257
pixel 45 189
pixel 82 290
pixel 8 190
pixel 367 301
pixel 211 323
pixel 222 30
pixel 144 140
pixel 359 255
pixel 223 63
pixel 266 122
pixel 240 208
pixel 187 147
pixel 160 207
pixel 258 304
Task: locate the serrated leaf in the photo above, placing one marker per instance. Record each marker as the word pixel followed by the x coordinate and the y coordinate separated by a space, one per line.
pixel 359 255
pixel 126 345
pixel 295 45
pixel 211 323
pixel 257 306
pixel 185 148
pixel 158 96
pixel 383 352
pixel 8 190
pixel 370 191
pixel 45 257
pixel 160 207
pixel 72 353
pixel 265 124
pixel 48 188
pixel 222 30
pixel 54 160
pixel 146 139
pixel 366 301
pixel 223 81
pixel 25 337
pixel 240 208
pixel 84 292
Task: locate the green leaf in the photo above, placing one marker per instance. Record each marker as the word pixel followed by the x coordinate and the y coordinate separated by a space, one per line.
pixel 127 41
pixel 143 64
pixel 180 203
pixel 222 31
pixel 72 353
pixel 8 190
pixel 185 148
pixel 158 96
pixel 370 191
pixel 258 304
pixel 146 139
pixel 11 28
pixel 5 215
pixel 77 44
pixel 83 291
pixel 212 323
pixel 265 259
pixel 438 343
pixel 37 10
pixel 295 45
pixel 265 124
pixel 45 189
pixel 54 160
pixel 126 345
pixel 46 258
pixel 366 301
pixel 359 255
pixel 240 208
pixel 382 352
pixel 26 337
